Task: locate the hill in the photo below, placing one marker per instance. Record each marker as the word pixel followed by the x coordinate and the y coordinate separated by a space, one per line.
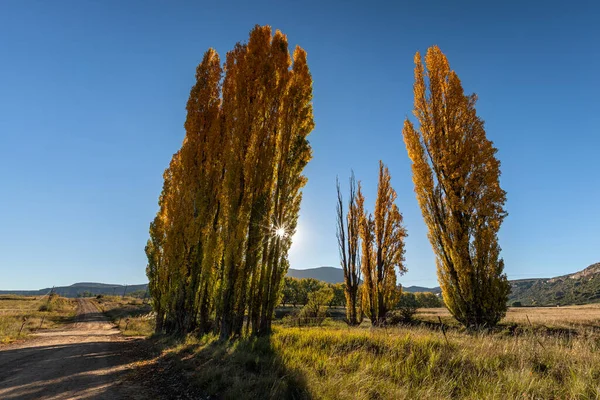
pixel 81 288
pixel 326 274
pixel 581 287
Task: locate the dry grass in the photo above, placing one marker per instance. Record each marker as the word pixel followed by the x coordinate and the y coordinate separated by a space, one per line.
pixel 131 315
pixel 32 314
pixel 337 362
pixel 578 318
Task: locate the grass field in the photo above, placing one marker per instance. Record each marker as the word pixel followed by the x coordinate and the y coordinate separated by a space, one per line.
pixel 20 315
pixel 131 315
pixel 554 355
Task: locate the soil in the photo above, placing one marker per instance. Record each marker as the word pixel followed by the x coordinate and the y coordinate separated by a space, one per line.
pixel 86 359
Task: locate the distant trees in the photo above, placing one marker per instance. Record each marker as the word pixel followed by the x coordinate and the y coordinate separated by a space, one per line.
pixel 297 291
pixel 348 237
pixel 456 178
pixel 315 310
pixel 218 246
pixel 428 300
pixel 382 238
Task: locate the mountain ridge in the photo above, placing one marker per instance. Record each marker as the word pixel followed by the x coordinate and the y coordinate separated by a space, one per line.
pixel 581 287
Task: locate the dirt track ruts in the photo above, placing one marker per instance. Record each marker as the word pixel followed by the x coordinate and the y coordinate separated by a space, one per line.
pixel 87 359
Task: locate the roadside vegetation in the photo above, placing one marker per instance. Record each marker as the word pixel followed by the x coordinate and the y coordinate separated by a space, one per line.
pixel 21 316
pixel 132 315
pixel 401 362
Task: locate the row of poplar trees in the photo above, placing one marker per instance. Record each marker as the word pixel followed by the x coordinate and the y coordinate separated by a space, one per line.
pixel 218 246
pixel 456 176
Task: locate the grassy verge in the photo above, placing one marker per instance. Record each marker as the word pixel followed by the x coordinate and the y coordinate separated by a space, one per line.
pixel 131 315
pixel 337 362
pixel 20 316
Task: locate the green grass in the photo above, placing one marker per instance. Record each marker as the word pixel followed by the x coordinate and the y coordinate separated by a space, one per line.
pixel 336 362
pixel 131 315
pixel 32 314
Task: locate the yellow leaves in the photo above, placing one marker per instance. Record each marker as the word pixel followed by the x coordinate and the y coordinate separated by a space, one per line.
pixel 238 171
pixel 456 178
pixel 382 238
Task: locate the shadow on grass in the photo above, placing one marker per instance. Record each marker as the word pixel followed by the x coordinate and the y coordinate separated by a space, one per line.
pixel 248 368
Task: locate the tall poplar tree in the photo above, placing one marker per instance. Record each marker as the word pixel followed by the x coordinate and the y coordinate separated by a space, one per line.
pixel 348 236
pixel 456 178
pixel 382 238
pixel 218 246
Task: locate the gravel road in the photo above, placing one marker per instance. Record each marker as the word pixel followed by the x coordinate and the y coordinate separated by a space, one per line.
pixel 87 359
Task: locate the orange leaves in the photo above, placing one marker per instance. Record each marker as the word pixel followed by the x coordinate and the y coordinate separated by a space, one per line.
pixel 456 179
pixel 382 239
pixel 239 170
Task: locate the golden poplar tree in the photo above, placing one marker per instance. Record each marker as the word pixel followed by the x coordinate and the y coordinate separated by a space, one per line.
pixel 389 243
pixel 348 236
pixel 218 246
pixel 382 237
pixel 456 178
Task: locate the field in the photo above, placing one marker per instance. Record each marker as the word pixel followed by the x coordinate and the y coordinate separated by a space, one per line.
pixel 554 354
pixel 535 353
pixel 131 315
pixel 20 316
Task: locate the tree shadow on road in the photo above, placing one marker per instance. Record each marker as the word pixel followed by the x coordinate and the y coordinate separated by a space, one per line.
pixel 92 370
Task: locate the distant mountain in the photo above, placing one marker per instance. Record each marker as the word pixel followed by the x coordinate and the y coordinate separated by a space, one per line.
pixel 76 289
pixel 327 274
pixel 581 287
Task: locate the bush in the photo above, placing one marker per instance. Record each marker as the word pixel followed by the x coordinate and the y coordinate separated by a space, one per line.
pixel 315 311
pixel 517 304
pixel 406 307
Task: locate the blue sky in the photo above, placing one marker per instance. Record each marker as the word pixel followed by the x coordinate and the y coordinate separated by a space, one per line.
pixel 92 100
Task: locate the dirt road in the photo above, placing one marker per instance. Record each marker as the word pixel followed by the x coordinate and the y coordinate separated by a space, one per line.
pixel 88 359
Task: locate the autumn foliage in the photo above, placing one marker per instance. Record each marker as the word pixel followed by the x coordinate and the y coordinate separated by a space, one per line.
pixel 456 178
pixel 218 246
pixel 382 238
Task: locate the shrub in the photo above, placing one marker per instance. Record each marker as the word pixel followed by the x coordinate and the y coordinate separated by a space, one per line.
pixel 315 311
pixel 406 307
pixel 517 304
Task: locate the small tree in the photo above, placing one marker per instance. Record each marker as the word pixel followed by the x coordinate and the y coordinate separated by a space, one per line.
pixel 315 310
pixel 407 306
pixel 339 297
pixel 306 287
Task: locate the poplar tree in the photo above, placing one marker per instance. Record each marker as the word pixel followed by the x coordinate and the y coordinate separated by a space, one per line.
pixel 218 246
pixel 389 243
pixel 348 236
pixel 382 237
pixel 456 178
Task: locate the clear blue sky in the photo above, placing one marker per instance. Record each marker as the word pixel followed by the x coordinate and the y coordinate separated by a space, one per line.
pixel 92 105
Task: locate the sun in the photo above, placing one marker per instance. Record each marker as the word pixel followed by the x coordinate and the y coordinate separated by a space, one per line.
pixel 280 232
